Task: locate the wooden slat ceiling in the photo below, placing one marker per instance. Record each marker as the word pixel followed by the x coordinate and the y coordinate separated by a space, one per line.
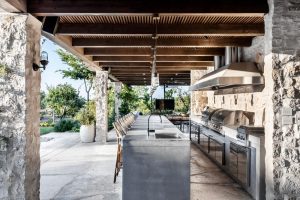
pixel 120 38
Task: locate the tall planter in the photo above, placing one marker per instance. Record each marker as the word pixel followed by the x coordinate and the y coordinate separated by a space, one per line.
pixel 86 116
pixel 87 133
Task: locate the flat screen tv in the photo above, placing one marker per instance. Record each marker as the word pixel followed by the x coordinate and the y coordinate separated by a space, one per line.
pixel 164 104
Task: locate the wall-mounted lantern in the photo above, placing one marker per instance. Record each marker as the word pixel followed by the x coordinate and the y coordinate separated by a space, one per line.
pixel 44 62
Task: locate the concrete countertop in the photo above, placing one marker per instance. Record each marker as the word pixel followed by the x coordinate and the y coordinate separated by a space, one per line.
pixel 230 132
pixel 138 135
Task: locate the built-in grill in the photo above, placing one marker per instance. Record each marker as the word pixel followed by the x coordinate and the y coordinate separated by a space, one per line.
pixel 229 118
pixel 207 113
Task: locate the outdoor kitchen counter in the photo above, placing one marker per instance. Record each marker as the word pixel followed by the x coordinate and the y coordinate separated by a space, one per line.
pixel 245 164
pixel 155 168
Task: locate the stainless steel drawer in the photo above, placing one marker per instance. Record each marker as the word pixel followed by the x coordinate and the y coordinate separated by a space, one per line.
pixel 240 162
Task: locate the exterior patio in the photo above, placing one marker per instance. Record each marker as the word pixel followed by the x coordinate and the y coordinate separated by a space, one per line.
pixel 74 170
pixel 155 42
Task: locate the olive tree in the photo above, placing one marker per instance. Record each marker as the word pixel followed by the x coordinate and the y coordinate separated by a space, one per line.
pixel 64 100
pixel 77 71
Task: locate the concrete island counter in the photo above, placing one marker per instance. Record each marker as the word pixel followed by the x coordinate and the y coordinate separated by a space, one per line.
pixel 156 167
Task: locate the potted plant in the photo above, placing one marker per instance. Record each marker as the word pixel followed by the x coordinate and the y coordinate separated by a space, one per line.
pixel 87 116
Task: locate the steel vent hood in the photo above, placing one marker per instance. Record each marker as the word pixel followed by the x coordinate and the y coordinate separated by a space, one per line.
pixel 232 75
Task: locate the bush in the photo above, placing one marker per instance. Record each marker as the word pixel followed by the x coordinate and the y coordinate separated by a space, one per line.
pixel 66 125
pixel 76 126
pixel 87 115
pixel 46 124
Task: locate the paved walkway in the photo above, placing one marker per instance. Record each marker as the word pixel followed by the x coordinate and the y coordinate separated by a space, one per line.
pixel 71 170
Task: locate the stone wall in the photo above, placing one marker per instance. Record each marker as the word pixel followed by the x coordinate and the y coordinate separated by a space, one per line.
pixel 283 59
pixel 101 94
pixel 252 102
pixel 198 98
pixel 19 107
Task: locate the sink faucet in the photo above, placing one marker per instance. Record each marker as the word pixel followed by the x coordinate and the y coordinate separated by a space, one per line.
pixel 149 122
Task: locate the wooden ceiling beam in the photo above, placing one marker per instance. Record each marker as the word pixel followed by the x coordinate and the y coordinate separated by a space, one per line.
pixel 162 29
pixel 179 83
pixel 149 78
pixel 158 68
pixel 149 59
pixel 146 73
pixel 118 51
pixel 170 42
pixel 96 7
pixel 14 6
pixel 158 64
pixel 159 51
pixel 149 73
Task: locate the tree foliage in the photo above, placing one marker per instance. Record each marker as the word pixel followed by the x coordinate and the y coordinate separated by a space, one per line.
pixel 182 99
pixel 77 71
pixel 129 100
pixel 111 107
pixel 143 103
pixel 87 114
pixel 64 100
pixel 43 100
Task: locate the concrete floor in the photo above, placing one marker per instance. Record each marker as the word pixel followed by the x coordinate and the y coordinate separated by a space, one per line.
pixel 209 182
pixel 71 170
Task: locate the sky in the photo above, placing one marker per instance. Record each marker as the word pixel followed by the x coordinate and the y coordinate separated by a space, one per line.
pixel 51 77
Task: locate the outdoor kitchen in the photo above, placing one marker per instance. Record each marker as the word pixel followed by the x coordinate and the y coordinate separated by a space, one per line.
pixel 228 115
pixel 240 139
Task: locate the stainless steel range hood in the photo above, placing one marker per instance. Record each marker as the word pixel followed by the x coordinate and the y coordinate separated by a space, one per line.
pixel 232 75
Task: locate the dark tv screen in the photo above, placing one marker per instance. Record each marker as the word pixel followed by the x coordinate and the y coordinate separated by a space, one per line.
pixel 164 104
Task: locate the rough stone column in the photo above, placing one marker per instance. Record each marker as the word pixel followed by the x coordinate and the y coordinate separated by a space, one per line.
pixel 198 98
pixel 101 106
pixel 282 74
pixel 19 107
pixel 118 88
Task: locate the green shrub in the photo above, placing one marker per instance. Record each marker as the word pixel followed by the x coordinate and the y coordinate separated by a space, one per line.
pixel 46 124
pixel 65 125
pixel 76 126
pixel 87 115
pixel 76 129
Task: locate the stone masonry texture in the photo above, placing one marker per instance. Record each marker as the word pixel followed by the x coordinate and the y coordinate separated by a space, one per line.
pixel 101 82
pixel 283 59
pixel 118 88
pixel 198 98
pixel 19 107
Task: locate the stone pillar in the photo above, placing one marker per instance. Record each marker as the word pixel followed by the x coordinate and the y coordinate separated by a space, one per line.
pixel 282 74
pixel 198 98
pixel 101 106
pixel 19 107
pixel 118 88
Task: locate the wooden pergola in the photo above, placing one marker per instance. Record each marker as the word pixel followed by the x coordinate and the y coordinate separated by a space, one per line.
pixel 119 36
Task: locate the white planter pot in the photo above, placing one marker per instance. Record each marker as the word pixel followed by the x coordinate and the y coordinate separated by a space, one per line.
pixel 87 133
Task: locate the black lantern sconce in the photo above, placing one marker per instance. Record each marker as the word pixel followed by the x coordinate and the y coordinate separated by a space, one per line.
pixel 44 62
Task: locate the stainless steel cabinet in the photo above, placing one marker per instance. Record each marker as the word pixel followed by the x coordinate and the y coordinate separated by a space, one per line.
pixel 240 158
pixel 217 150
pixel 194 132
pixel 204 142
